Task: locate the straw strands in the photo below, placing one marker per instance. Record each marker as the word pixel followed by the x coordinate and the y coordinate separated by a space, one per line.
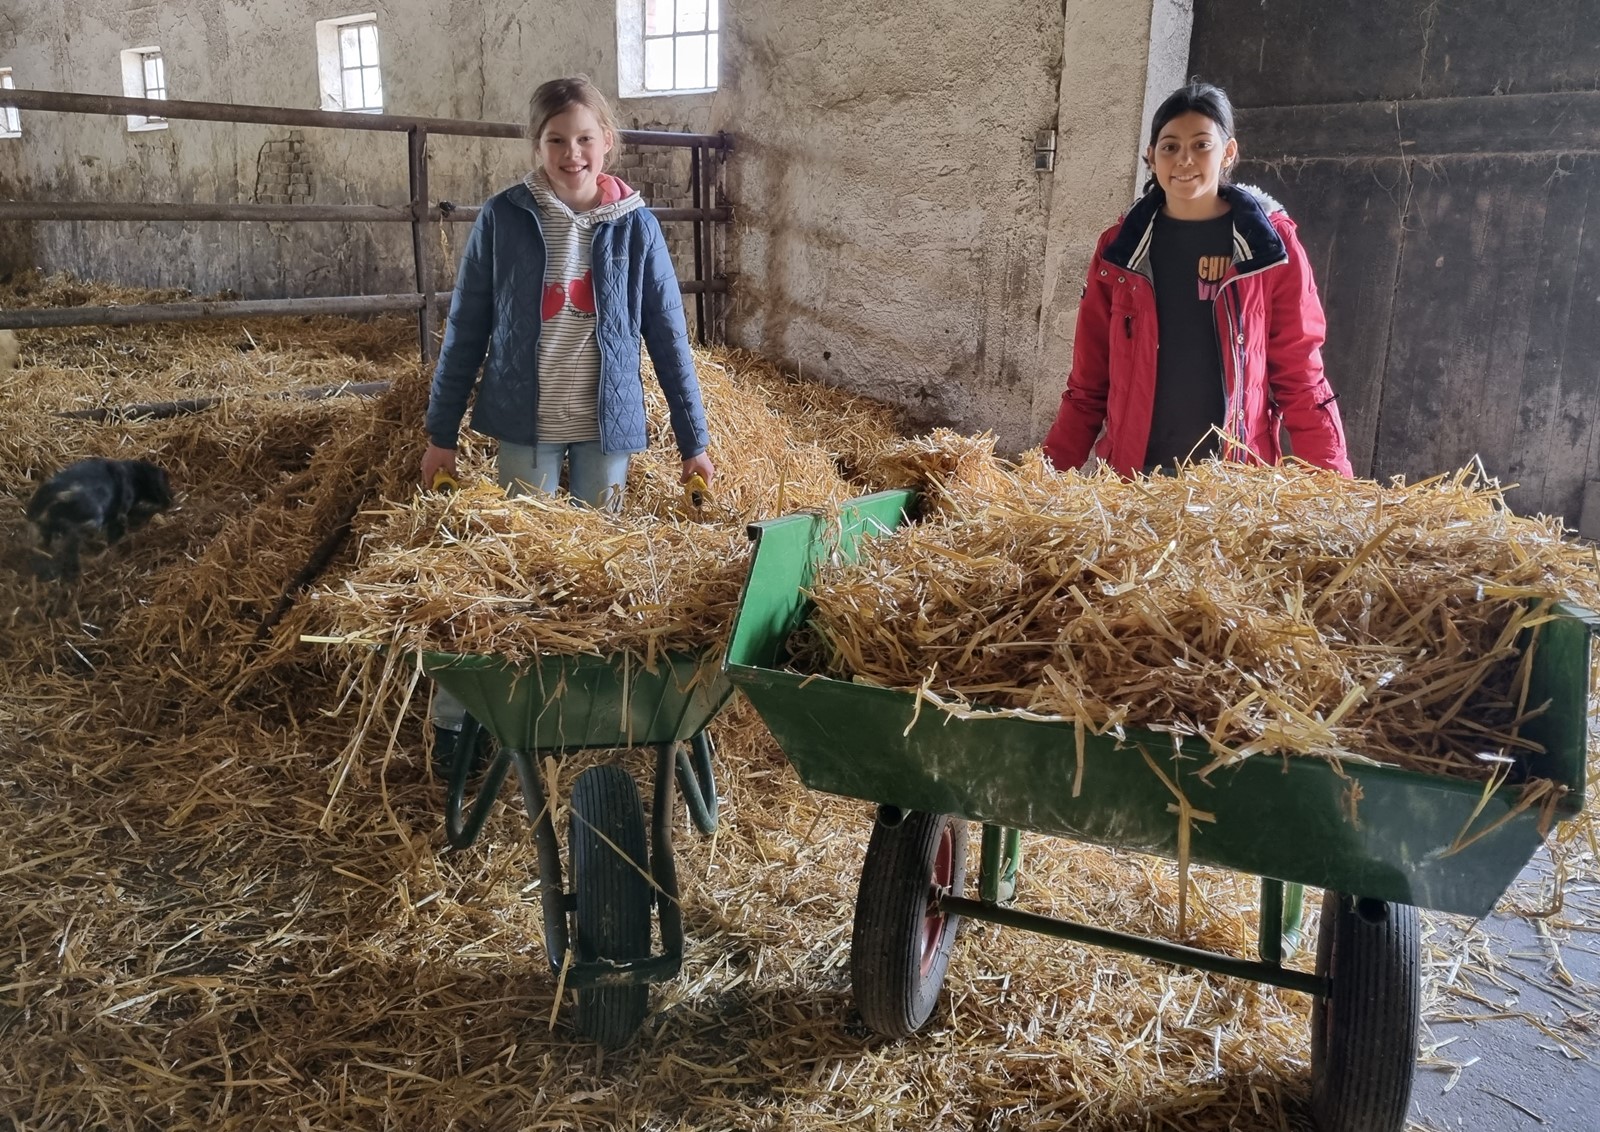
pixel 89 367
pixel 195 936
pixel 1258 609
pixel 477 572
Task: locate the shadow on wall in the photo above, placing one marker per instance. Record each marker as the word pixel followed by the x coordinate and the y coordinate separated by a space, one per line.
pixel 19 239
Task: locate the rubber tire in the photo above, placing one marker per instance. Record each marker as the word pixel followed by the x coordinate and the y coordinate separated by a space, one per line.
pixel 895 981
pixel 612 898
pixel 1364 1035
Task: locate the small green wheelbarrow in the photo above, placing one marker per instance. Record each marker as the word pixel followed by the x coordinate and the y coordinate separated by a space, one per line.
pixel 597 934
pixel 1381 842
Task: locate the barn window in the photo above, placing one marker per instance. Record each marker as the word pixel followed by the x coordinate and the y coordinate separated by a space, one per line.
pixel 667 46
pixel 144 75
pixel 347 64
pixel 10 117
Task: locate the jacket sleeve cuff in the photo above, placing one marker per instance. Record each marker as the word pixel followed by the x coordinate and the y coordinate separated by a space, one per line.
pixel 444 440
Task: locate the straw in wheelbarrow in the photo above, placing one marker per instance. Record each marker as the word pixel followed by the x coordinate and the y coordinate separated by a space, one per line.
pixel 477 572
pixel 1260 610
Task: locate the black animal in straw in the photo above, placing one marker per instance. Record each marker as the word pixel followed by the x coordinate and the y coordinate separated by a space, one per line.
pixel 94 500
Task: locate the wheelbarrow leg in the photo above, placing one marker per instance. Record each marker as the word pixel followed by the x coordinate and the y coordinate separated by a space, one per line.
pixel 663 869
pixel 695 781
pixel 552 893
pixel 1001 857
pixel 461 832
pixel 1282 908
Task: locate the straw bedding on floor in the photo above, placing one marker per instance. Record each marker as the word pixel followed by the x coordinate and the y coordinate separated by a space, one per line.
pixel 198 931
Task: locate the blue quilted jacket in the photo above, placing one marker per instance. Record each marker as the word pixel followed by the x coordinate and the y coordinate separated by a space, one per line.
pixel 495 312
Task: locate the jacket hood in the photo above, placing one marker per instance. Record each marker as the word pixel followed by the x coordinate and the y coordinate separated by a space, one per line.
pixel 617 197
pixel 1256 243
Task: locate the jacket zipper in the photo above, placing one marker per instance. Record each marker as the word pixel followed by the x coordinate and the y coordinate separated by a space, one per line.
pixel 1230 402
pixel 594 294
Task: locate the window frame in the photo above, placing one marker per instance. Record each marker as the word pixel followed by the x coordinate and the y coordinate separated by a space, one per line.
pixel 136 84
pixel 634 38
pixel 333 68
pixel 10 116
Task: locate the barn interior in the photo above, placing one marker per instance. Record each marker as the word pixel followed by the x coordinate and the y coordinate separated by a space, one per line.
pixel 231 897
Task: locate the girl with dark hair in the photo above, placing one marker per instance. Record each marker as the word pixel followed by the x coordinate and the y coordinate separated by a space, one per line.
pixel 1200 330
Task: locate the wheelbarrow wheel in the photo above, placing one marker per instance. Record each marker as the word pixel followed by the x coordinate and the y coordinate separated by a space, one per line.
pixel 900 946
pixel 1364 1033
pixel 610 879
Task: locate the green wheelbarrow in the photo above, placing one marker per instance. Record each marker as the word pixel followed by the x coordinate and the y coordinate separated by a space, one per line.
pixel 1381 842
pixel 597 935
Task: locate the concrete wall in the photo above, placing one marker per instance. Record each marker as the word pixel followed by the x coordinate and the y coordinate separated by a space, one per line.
pixel 444 58
pixel 892 233
pixel 894 236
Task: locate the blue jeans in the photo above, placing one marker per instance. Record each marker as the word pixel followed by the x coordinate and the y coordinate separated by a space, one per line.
pixel 593 476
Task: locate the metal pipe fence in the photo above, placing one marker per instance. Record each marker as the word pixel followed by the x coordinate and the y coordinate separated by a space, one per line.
pixel 707 160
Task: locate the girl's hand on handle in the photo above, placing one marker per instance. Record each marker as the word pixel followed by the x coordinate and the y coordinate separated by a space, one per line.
pixel 435 459
pixel 695 465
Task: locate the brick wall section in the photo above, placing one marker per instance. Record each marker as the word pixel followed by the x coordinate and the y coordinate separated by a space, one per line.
pixel 661 175
pixel 283 172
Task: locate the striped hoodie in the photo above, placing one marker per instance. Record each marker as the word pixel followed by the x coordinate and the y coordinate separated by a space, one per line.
pixel 569 355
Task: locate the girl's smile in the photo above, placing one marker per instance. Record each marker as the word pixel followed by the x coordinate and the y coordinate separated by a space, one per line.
pixel 1189 158
pixel 572 149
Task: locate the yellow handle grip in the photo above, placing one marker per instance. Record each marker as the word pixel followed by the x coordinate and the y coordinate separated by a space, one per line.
pixel 696 492
pixel 444 481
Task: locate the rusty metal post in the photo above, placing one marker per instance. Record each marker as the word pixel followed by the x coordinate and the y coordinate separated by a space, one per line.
pixel 717 199
pixel 421 253
pixel 699 268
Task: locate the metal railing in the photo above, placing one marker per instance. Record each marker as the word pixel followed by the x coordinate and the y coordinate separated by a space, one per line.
pixel 707 158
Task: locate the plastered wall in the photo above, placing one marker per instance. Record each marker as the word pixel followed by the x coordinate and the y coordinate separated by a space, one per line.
pixel 892 233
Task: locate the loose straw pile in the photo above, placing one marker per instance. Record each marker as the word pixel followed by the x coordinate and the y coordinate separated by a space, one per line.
pixel 97 367
pixel 1257 609
pixel 476 572
pixel 196 934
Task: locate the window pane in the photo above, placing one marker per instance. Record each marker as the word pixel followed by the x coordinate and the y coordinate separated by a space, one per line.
pixel 715 14
pixel 657 17
pixel 372 83
pixel 691 15
pixel 691 61
pixel 369 45
pixel 6 81
pixel 352 89
pixel 658 64
pixel 712 60
pixel 349 46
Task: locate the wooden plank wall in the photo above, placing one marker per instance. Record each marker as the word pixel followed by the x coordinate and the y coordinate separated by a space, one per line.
pixel 1441 160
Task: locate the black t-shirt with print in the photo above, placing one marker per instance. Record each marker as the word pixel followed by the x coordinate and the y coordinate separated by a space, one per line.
pixel 1187 257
